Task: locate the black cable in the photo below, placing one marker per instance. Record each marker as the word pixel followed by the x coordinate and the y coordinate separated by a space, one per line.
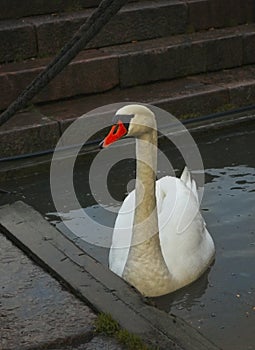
pixel 105 11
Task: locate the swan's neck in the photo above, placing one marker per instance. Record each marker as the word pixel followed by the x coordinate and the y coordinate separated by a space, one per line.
pixel 145 260
pixel 145 219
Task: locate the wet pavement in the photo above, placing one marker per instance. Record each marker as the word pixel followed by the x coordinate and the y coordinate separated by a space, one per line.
pixel 37 312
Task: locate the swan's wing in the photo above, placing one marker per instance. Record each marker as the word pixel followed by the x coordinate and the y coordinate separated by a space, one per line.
pixel 179 208
pixel 185 242
pixel 122 235
pixel 189 182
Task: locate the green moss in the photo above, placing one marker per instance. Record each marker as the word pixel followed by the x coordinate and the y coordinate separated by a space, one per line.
pixel 42 55
pixel 109 327
pixel 106 325
pixel 75 6
pixel 19 57
pixel 225 108
pixel 190 29
pixel 31 108
pixel 230 22
pixel 131 341
pixel 189 116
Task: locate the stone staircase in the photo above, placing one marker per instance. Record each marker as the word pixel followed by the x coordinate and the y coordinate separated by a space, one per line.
pixel 188 56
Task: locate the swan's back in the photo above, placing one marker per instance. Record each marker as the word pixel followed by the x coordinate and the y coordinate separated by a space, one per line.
pixel 186 245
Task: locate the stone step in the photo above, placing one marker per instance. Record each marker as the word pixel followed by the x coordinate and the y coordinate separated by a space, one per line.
pixel 94 71
pixel 182 55
pixel 32 37
pixel 17 9
pixel 141 20
pixel 39 128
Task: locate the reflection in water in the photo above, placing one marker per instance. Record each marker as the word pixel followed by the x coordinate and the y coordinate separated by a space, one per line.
pixel 89 224
pixel 183 299
pixel 88 228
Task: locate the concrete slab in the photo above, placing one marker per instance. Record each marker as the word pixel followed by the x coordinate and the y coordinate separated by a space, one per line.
pixel 181 55
pixel 231 12
pixel 95 283
pixel 97 343
pixel 137 63
pixel 17 41
pixel 26 132
pixel 16 9
pixel 90 72
pixel 39 128
pixel 248 47
pixel 136 21
pixel 35 311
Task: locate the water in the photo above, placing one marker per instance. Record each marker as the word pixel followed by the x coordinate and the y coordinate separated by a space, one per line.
pixel 221 304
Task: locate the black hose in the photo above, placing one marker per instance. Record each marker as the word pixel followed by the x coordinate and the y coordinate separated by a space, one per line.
pixel 105 11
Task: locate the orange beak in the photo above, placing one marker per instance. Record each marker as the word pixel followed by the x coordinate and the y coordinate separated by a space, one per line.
pixel 117 131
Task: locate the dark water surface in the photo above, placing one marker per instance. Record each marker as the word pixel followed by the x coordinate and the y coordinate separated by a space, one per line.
pixel 221 304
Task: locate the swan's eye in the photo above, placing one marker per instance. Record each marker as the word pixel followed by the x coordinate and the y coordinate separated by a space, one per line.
pixel 117 131
pixel 124 118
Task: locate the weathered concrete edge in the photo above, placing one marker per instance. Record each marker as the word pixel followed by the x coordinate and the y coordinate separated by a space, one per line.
pixel 134 64
pixel 41 164
pixel 95 284
pixel 206 99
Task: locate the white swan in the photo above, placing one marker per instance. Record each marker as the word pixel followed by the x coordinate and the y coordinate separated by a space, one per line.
pixel 160 242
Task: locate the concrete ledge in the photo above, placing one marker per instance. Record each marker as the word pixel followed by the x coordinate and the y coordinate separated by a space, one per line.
pixel 32 304
pixel 224 53
pixel 28 132
pixel 138 20
pixel 248 47
pixel 182 55
pixel 39 128
pixel 94 71
pixel 17 41
pixel 217 13
pixel 232 12
pixel 195 95
pixel 16 9
pixel 90 72
pixel 95 284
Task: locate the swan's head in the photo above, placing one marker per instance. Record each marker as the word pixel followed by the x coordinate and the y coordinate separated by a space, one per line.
pixel 132 121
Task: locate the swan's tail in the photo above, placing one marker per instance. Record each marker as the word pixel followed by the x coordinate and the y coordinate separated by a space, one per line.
pixel 189 182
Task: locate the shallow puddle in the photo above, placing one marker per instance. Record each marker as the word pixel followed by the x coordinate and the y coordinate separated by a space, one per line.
pixel 221 304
